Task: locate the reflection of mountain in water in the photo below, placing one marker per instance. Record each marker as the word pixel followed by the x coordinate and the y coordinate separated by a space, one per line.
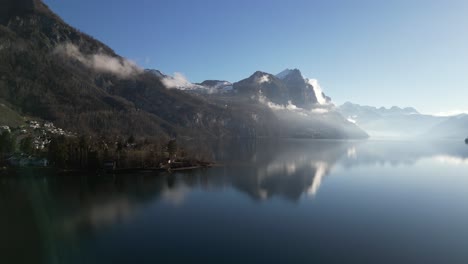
pixel 287 168
pixel 261 169
pixel 52 209
pixel 267 168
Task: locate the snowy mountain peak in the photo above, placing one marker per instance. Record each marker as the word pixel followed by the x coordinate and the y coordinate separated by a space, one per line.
pixel 157 73
pixel 282 75
pixel 261 77
pixel 217 86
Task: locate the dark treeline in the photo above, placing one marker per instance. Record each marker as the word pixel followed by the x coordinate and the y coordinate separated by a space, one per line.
pixel 94 153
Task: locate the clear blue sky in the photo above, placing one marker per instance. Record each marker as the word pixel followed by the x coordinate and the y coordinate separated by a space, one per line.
pixel 375 52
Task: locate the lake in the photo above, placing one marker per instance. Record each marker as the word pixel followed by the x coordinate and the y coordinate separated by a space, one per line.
pixel 271 201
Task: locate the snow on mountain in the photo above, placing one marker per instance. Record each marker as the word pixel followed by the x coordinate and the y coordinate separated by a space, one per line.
pixel 217 86
pixel 284 73
pixel 263 79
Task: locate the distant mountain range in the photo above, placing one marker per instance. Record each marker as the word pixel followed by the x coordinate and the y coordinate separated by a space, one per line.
pixel 455 127
pixel 404 122
pixel 51 71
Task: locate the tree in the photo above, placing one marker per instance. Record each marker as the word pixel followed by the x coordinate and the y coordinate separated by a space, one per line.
pixel 26 145
pixel 83 151
pixel 7 142
pixel 172 147
pixel 131 139
pixel 58 151
pixel 119 150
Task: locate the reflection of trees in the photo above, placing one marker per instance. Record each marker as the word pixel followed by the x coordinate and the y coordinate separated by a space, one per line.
pixel 43 214
pixel 20 226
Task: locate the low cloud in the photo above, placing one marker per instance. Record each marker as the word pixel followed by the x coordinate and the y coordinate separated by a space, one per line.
pixel 176 81
pixel 263 100
pixel 291 107
pixel 318 91
pixel 100 62
pixel 319 111
pixel 352 120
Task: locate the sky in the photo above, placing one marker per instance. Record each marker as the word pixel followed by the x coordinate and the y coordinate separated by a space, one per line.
pixel 371 52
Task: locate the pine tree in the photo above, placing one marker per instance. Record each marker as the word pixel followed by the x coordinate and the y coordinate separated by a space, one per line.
pixel 26 145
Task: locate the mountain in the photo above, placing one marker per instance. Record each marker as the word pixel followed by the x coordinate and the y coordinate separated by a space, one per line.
pixel 287 86
pixel 299 104
pixel 54 72
pixel 217 86
pixel 389 122
pixel 455 127
pixel 301 92
pixel 9 117
pixel 265 84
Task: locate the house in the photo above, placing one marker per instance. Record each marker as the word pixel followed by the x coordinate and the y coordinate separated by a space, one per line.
pixel 5 128
pixel 110 165
pixel 23 161
pixel 39 162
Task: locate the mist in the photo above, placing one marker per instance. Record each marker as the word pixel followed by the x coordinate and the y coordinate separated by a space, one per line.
pixel 100 62
pixel 318 122
pixel 177 81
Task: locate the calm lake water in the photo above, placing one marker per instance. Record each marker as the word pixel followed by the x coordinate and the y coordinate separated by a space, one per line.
pixel 285 201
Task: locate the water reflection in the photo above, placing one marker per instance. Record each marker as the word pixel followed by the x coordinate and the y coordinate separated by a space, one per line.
pixel 454 160
pixel 49 210
pixel 407 153
pixel 287 169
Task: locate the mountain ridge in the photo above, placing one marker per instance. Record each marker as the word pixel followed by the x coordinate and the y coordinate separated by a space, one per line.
pixel 54 72
pixel 391 122
pixel 50 70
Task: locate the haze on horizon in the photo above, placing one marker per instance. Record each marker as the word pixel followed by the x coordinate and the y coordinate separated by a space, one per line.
pixel 405 53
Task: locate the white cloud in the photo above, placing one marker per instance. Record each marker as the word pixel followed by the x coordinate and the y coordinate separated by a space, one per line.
pixel 351 120
pixel 290 107
pixel 319 111
pixel 318 91
pixel 100 62
pixel 176 81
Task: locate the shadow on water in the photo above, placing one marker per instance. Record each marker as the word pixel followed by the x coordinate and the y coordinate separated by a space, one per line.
pixel 43 213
